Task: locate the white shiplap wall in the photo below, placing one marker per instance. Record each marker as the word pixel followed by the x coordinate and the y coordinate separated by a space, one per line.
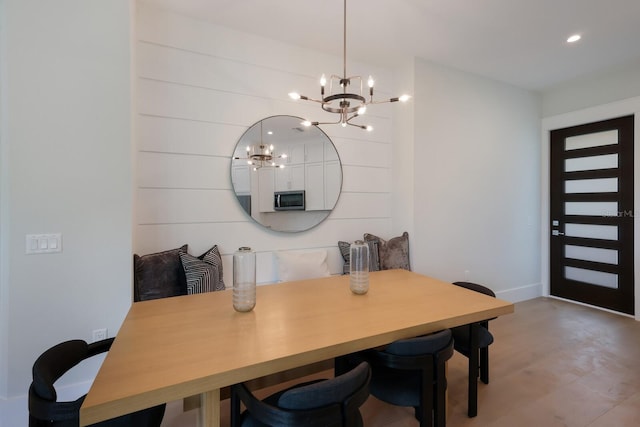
pixel 199 87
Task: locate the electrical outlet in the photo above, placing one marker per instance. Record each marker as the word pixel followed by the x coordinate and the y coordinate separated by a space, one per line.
pixel 99 334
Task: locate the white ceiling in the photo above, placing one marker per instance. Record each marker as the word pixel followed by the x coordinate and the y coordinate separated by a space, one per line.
pixel 521 42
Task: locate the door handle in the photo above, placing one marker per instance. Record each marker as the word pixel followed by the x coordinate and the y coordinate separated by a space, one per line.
pixel 557 233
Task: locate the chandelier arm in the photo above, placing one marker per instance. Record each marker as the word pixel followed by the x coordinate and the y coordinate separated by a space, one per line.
pixel 358 126
pixel 352 117
pixel 326 123
pixel 384 101
pixel 306 98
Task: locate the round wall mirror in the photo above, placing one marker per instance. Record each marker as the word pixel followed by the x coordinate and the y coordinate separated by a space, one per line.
pixel 286 176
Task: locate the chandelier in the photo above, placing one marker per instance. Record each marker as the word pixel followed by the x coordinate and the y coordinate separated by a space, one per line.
pixel 262 155
pixel 338 99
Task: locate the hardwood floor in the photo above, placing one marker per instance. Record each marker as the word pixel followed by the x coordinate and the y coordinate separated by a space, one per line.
pixel 552 364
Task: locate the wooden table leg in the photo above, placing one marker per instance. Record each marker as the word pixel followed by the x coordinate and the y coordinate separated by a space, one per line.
pixel 210 409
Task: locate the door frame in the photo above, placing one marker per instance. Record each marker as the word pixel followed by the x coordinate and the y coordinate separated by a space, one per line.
pixel 588 115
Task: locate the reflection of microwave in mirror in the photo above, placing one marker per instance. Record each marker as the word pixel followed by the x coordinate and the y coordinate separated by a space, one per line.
pixel 300 189
pixel 289 201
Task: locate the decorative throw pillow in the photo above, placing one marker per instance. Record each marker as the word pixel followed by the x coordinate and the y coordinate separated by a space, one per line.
pixel 374 262
pixel 159 275
pixel 201 276
pixel 212 256
pixel 393 253
pixel 302 265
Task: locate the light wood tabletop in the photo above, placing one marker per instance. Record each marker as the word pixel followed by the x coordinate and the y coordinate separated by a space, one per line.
pixel 168 349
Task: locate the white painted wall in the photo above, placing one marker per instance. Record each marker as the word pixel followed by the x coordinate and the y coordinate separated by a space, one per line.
pixel 4 209
pixel 617 83
pixel 477 172
pixel 402 202
pixel 200 86
pixel 66 167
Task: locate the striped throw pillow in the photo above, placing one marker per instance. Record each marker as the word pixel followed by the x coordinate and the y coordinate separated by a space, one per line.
pixel 201 275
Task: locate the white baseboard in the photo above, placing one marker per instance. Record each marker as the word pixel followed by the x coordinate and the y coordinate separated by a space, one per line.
pixel 522 293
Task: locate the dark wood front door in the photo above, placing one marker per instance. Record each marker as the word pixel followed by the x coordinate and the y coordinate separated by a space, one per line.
pixel 591 207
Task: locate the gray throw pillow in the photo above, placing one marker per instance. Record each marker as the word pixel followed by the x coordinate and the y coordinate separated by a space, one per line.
pixel 393 253
pixel 159 275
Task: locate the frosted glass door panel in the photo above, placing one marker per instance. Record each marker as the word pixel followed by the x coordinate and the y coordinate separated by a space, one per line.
pixel 588 231
pixel 591 208
pixel 608 256
pixel 604 185
pixel 591 140
pixel 598 278
pixel 607 161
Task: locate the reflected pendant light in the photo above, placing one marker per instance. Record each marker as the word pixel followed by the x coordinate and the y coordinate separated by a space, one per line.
pixel 262 155
pixel 339 98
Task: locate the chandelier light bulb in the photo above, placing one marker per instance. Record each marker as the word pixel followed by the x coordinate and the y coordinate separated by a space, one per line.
pixel 369 128
pixel 323 81
pixel 306 123
pixel 370 82
pixel 362 110
pixel 294 95
pixel 344 124
pixel 404 98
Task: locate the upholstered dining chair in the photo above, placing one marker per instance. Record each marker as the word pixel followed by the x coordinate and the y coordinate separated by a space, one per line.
pixel 473 341
pixel 321 403
pixel 46 410
pixel 412 372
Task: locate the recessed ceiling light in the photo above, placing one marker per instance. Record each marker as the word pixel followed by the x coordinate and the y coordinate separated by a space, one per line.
pixel 270 133
pixel 574 38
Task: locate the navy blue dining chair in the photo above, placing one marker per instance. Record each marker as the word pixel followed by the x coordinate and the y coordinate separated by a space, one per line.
pixel 331 402
pixel 473 341
pixel 46 410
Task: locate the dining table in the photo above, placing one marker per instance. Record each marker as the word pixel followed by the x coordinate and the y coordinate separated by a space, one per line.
pixel 172 348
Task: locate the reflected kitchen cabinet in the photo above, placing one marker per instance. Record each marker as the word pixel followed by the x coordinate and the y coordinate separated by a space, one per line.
pixel 290 178
pixel 314 186
pixel 241 179
pixel 266 189
pixel 332 183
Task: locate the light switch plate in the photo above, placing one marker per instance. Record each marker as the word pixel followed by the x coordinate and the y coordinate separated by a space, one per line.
pixel 43 243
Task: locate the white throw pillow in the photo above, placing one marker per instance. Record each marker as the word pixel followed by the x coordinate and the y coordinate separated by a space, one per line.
pixel 302 265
